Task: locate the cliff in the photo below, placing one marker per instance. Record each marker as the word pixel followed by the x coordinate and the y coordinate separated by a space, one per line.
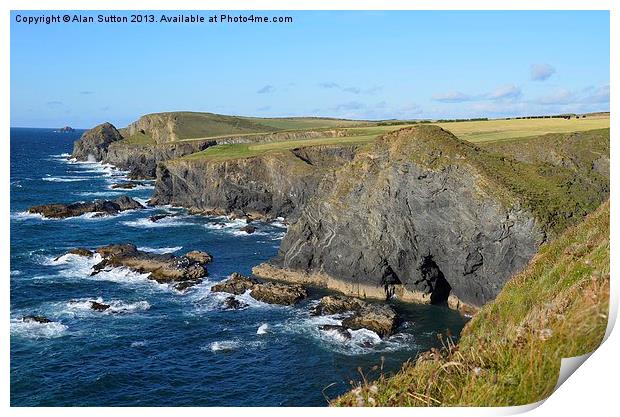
pixel 428 217
pixel 159 137
pixel 510 353
pixel 94 143
pixel 275 184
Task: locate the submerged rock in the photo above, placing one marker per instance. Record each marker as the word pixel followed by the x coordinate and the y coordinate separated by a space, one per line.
pixel 99 207
pixel 36 319
pixel 339 330
pixel 158 217
pixel 379 318
pixel 97 306
pixel 126 185
pixel 231 303
pixel 276 293
pixel 248 229
pixel 180 271
pixel 237 284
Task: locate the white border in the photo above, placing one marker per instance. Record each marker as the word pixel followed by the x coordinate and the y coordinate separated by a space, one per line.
pixel 593 390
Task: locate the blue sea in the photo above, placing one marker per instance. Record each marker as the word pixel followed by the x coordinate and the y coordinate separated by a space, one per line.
pixel 156 346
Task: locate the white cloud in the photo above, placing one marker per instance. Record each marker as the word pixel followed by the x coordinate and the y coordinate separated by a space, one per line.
pixel 541 72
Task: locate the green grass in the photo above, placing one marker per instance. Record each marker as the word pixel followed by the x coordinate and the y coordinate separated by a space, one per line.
pixel 245 150
pixel 510 352
pixel 307 123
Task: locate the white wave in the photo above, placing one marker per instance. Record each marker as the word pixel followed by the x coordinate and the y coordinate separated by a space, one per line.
pixel 263 329
pixel 165 222
pixel 362 341
pixel 124 275
pixel 160 250
pixel 279 222
pixel 226 224
pixel 116 306
pixel 65 179
pixel 35 330
pixel 139 343
pixel 224 346
pixel 15 272
pixel 99 193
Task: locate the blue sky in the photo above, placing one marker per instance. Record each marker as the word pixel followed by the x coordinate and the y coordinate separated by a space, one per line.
pixel 369 65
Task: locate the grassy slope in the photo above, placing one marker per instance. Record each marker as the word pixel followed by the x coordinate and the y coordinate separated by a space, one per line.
pixel 510 352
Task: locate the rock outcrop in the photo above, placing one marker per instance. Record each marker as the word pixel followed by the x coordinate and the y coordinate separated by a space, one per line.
pixel 237 284
pixel 379 318
pixel 181 272
pixel 267 292
pixel 336 304
pixel 425 213
pixel 99 207
pixel 277 293
pixel 94 143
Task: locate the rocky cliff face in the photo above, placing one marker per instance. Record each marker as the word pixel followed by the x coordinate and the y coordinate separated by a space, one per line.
pixel 141 161
pixel 94 143
pixel 105 143
pixel 420 213
pixel 272 185
pixel 161 127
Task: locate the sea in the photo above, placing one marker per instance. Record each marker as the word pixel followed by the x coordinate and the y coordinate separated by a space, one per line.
pixel 156 346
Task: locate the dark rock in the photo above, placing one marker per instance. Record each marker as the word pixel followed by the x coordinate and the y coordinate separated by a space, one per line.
pixel 277 293
pixel 97 306
pixel 231 303
pixel 79 252
pixel 100 207
pixel 337 304
pixel 126 185
pixel 36 319
pixel 158 217
pixel 181 272
pixel 379 318
pixel 184 285
pixel 94 143
pixel 267 186
pixel 340 330
pixel 248 229
pixel 237 284
pixel 417 198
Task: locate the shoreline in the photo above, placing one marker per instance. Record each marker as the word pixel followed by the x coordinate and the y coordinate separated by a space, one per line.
pixel 362 291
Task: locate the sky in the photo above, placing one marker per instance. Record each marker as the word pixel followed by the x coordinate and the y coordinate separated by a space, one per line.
pixel 360 65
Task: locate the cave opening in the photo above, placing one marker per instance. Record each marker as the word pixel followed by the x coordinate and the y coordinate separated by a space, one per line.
pixel 389 282
pixel 439 288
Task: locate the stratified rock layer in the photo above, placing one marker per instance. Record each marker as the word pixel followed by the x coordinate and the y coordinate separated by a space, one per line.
pixel 420 210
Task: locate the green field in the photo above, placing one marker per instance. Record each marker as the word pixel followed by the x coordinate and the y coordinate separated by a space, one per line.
pixel 479 131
